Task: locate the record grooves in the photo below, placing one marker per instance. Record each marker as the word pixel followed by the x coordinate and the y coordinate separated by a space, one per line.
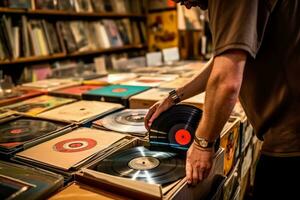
pixel 175 127
pixel 139 163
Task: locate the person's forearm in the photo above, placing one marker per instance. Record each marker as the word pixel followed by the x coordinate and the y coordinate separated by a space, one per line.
pixel 221 94
pixel 197 85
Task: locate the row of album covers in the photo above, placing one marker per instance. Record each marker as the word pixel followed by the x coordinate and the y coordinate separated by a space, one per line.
pixel 23 37
pixel 62 138
pixel 96 6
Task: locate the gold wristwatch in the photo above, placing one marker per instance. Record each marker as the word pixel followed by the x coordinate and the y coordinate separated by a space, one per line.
pixel 203 143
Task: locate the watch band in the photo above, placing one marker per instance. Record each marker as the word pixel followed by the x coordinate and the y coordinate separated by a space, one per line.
pixel 174 96
pixel 203 143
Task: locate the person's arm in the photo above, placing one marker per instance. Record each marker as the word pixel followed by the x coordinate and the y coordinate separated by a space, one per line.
pixel 195 86
pixel 221 94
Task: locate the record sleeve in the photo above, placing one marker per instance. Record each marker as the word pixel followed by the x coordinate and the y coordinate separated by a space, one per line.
pixel 81 111
pixel 19 182
pixel 148 98
pixel 151 81
pixel 50 84
pixel 176 132
pixel 17 95
pixel 111 79
pixel 114 93
pixel 39 104
pixel 80 191
pixel 179 82
pixel 126 121
pixel 73 92
pixel 71 150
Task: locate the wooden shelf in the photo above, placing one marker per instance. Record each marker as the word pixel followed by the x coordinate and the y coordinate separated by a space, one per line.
pixel 162 9
pixel 69 14
pixel 54 57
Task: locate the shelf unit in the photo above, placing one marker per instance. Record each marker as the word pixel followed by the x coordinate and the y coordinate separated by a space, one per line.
pixel 70 15
pixel 60 13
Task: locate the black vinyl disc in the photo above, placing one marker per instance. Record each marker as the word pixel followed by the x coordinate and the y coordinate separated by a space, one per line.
pixel 176 126
pixel 139 163
pixel 22 130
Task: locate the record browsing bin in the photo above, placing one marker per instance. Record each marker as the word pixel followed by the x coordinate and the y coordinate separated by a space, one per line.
pixel 141 190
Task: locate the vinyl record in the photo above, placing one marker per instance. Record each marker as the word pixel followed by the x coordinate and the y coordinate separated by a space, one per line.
pixel 126 121
pixel 75 145
pixel 141 164
pixel 22 130
pixel 176 127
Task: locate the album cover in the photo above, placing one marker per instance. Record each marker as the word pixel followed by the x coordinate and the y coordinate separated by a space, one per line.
pixel 20 131
pixel 82 191
pixel 38 104
pixel 114 93
pixel 18 95
pixel 19 182
pixel 5 114
pixel 81 111
pixel 229 141
pixel 163 32
pixel 71 150
pixel 50 84
pixel 73 92
pixel 111 79
pixel 148 98
pixel 126 121
pixel 177 83
pixel 144 165
pixel 151 81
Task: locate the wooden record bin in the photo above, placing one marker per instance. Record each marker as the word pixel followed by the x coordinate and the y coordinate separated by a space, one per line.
pixel 141 190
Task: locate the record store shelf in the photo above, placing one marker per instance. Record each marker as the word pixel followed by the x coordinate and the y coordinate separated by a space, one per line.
pixel 58 56
pixel 59 13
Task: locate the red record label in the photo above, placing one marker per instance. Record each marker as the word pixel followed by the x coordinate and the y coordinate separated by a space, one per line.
pixel 74 145
pixel 16 131
pixel 119 90
pixel 183 137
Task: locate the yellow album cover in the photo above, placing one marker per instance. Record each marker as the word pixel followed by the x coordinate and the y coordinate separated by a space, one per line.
pixel 163 31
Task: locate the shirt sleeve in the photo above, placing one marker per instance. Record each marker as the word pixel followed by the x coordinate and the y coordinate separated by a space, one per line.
pixel 238 24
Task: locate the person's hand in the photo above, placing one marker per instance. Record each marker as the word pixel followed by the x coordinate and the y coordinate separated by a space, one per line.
pixel 198 163
pixel 156 110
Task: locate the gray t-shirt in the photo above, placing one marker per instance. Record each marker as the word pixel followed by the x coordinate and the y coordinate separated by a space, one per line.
pixel 269 30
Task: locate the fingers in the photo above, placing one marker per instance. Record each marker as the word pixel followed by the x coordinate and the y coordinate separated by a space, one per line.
pixel 189 172
pixel 149 115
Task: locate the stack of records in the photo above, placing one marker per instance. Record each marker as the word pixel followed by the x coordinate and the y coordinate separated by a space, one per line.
pixel 19 182
pixel 127 121
pixel 115 93
pixel 151 81
pixel 81 111
pixel 111 79
pixel 70 151
pixel 22 132
pixel 38 105
pixel 17 95
pixel 50 84
pixel 148 98
pixel 73 92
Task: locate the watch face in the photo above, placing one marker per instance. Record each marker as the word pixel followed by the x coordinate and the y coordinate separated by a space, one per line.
pixel 203 143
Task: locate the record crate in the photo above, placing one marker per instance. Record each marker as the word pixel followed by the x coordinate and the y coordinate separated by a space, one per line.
pixel 141 190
